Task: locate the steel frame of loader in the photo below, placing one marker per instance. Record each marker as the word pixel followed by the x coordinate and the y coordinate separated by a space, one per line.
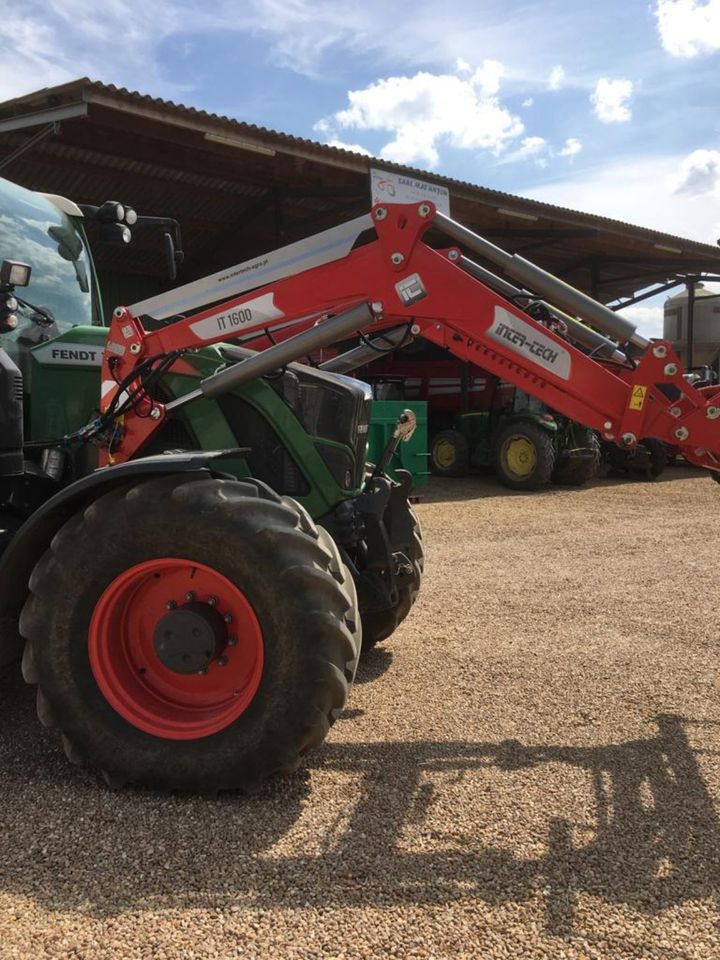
pixel 613 381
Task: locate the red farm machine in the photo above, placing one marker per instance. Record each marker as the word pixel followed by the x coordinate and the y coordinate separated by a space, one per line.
pixel 190 568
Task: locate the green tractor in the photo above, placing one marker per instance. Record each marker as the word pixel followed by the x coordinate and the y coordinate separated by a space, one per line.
pixel 191 619
pixel 524 444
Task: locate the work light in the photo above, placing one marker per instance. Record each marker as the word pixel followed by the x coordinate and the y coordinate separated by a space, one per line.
pixel 15 274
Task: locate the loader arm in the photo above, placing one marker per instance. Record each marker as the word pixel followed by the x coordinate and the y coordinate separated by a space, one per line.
pixel 569 351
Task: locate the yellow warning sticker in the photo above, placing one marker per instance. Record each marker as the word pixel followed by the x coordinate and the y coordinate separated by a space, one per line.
pixel 637 398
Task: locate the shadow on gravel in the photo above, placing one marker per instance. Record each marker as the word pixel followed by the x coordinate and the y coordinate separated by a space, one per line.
pixel 373 664
pixel 69 844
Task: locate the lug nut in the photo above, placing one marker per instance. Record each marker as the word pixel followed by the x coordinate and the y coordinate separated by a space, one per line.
pixel 212 601
pixel 228 618
pixel 231 641
pixel 171 604
pixel 222 661
pixel 189 596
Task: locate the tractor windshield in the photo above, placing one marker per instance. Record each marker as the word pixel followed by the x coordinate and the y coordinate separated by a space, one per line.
pixel 34 231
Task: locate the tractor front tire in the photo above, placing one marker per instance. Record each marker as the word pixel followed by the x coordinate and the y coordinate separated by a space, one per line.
pixel 449 454
pixel 524 455
pixel 378 625
pixel 193 634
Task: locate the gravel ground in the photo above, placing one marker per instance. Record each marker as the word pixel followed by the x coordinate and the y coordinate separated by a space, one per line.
pixel 529 768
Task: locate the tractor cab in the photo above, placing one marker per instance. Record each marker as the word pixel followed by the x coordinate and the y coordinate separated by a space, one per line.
pixel 45 233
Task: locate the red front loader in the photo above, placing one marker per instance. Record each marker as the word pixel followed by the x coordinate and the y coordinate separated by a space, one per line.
pixel 208 630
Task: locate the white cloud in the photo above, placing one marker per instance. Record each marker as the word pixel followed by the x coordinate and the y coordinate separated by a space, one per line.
pixel 688 27
pixel 45 44
pixel 487 77
pixel 699 173
pixel 647 319
pixel 557 77
pixel 527 102
pixel 426 110
pixel 354 147
pixel 610 100
pixel 536 148
pixel 572 147
pixel 640 190
pixel 540 151
pixel 462 66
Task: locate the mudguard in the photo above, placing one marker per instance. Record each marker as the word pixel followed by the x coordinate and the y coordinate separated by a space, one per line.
pixel 35 535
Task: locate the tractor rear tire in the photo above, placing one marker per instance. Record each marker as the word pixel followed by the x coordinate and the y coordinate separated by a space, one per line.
pixel 108 642
pixel 449 454
pixel 576 472
pixel 524 456
pixel 379 625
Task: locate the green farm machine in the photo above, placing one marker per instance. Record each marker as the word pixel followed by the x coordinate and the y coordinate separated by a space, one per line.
pixel 524 444
pixel 194 549
pixel 142 646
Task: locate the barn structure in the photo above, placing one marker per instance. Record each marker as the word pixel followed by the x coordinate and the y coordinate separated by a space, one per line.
pixel 238 190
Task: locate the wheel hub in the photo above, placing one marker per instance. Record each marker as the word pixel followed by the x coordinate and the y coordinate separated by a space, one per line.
pixel 179 671
pixel 445 453
pixel 521 456
pixel 189 638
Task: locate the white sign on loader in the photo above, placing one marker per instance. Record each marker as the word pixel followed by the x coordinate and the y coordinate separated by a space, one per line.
pixel 387 187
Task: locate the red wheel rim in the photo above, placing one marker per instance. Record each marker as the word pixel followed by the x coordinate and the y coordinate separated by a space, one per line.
pixel 133 679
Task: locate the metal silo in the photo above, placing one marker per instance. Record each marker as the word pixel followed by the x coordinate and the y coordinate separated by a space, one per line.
pixel 705 330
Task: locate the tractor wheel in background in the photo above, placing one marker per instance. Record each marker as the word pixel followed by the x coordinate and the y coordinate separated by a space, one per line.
pixel 645 462
pixel 449 454
pixel 658 456
pixel 378 625
pixel 575 472
pixel 524 455
pixel 190 633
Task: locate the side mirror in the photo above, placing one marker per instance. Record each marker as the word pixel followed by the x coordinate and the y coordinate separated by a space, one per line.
pixel 173 255
pixel 170 261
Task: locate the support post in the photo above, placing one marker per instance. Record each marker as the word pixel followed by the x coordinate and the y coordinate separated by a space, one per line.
pixel 691 281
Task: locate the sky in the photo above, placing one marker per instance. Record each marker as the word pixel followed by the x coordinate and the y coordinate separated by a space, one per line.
pixel 610 108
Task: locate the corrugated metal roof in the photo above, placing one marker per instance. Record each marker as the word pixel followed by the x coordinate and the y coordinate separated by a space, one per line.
pixel 90 90
pixel 167 159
